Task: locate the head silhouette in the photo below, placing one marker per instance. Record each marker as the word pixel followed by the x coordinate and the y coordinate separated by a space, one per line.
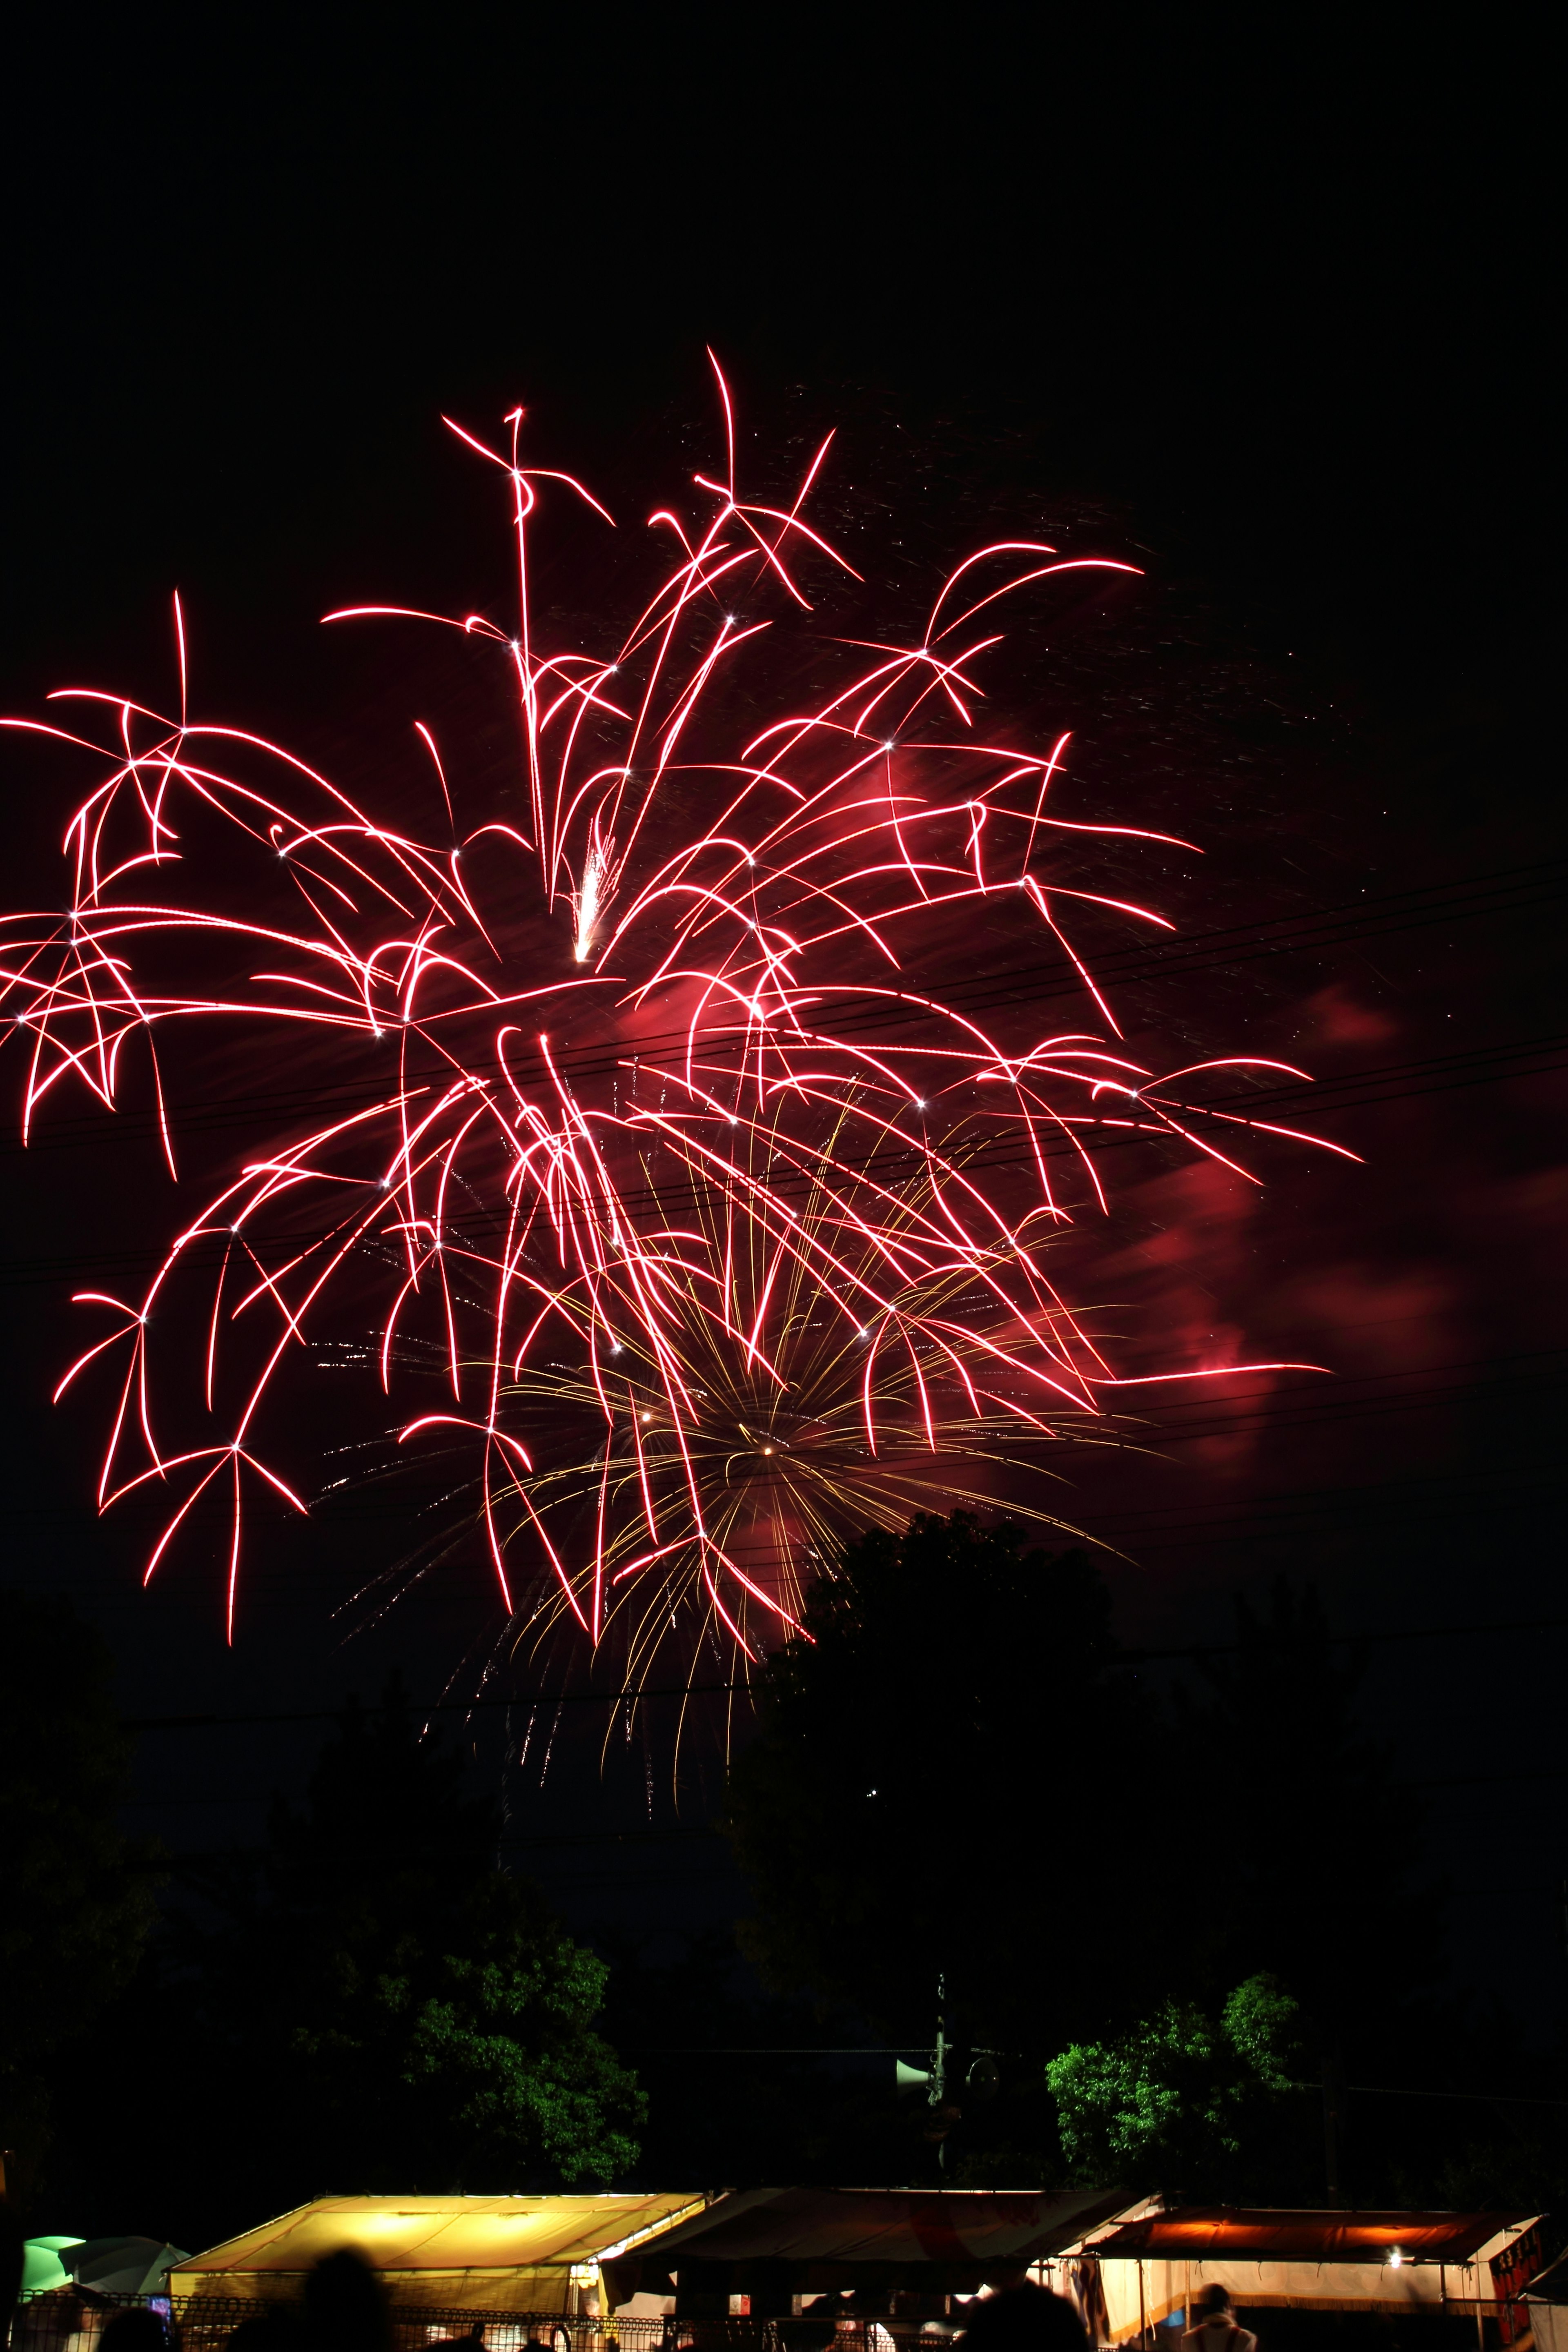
pixel 345 2310
pixel 134 2331
pixel 1024 2319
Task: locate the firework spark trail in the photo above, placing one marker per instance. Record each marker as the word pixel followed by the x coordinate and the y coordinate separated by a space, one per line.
pixel 548 1174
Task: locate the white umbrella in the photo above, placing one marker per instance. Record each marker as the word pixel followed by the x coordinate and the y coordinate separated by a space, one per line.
pixel 122 2265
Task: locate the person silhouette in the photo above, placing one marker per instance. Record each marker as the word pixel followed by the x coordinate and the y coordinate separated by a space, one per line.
pixel 137 2330
pixel 1217 2328
pixel 274 2328
pixel 344 2306
pixel 1025 2318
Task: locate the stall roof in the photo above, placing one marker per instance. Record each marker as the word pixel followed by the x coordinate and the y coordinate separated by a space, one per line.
pixel 1240 2233
pixel 903 2226
pixel 438 2235
pixel 1550 2285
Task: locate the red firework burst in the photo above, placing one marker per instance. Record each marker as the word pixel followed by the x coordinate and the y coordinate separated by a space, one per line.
pixel 724 1227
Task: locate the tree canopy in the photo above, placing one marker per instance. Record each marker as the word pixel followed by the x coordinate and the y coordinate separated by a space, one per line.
pixel 1313 1874
pixel 940 1785
pixel 1183 2096
pixel 372 2004
pixel 956 1774
pixel 79 1897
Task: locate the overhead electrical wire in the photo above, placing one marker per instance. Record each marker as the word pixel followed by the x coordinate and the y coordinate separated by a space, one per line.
pixel 1508 890
pixel 519 1701
pixel 1450 1072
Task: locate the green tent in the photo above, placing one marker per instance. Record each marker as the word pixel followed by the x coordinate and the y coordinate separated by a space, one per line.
pixel 41 2265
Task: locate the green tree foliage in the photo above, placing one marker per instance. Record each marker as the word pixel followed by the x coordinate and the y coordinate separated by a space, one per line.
pixel 78 1895
pixel 942 1780
pixel 373 2005
pixel 953 1773
pixel 1182 2097
pixel 427 2007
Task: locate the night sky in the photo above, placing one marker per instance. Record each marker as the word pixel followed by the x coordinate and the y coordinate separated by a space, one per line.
pixel 1265 318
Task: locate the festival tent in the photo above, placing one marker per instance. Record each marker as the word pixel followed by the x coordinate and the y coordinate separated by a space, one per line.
pixel 106 2265
pixel 1144 2273
pixel 779 2246
pixel 124 2265
pixel 44 2266
pixel 450 2253
pixel 1546 2302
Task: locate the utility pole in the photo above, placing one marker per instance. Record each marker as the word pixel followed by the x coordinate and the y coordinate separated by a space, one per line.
pixel 939 2055
pixel 980 2077
pixel 936 2096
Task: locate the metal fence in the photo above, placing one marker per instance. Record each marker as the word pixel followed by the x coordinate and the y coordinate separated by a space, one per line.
pixel 63 2321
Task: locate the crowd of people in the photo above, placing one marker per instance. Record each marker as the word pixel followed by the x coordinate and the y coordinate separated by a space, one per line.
pixel 344 2308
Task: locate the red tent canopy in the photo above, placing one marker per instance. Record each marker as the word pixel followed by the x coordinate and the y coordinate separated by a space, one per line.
pixel 1219 2234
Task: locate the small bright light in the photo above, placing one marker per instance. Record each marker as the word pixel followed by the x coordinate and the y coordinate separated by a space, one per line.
pixel 862 1334
pixel 1395 2259
pixel 647 1416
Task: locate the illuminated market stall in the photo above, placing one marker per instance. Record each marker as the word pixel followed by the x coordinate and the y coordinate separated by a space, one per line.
pixel 450 2253
pixel 769 2252
pixel 1138 2279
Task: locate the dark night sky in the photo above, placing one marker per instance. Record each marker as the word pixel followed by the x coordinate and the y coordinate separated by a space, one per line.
pixel 1270 314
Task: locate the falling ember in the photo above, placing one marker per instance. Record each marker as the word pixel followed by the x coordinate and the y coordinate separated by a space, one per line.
pixel 716 1224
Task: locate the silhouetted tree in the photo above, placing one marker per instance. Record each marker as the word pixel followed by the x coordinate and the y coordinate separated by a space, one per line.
pixel 944 1782
pixel 78 1898
pixel 372 2004
pixel 1310 1845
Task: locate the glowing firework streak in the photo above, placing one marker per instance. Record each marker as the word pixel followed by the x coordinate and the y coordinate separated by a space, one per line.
pixel 693 1102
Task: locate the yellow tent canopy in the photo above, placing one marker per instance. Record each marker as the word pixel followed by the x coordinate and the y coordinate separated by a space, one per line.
pixel 451 2253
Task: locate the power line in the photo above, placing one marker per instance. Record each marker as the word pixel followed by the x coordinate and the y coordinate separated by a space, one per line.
pixel 1507 891
pixel 573 1839
pixel 1387 2091
pixel 1385 1495
pixel 1134 1525
pixel 1443 1073
pixel 633 1693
